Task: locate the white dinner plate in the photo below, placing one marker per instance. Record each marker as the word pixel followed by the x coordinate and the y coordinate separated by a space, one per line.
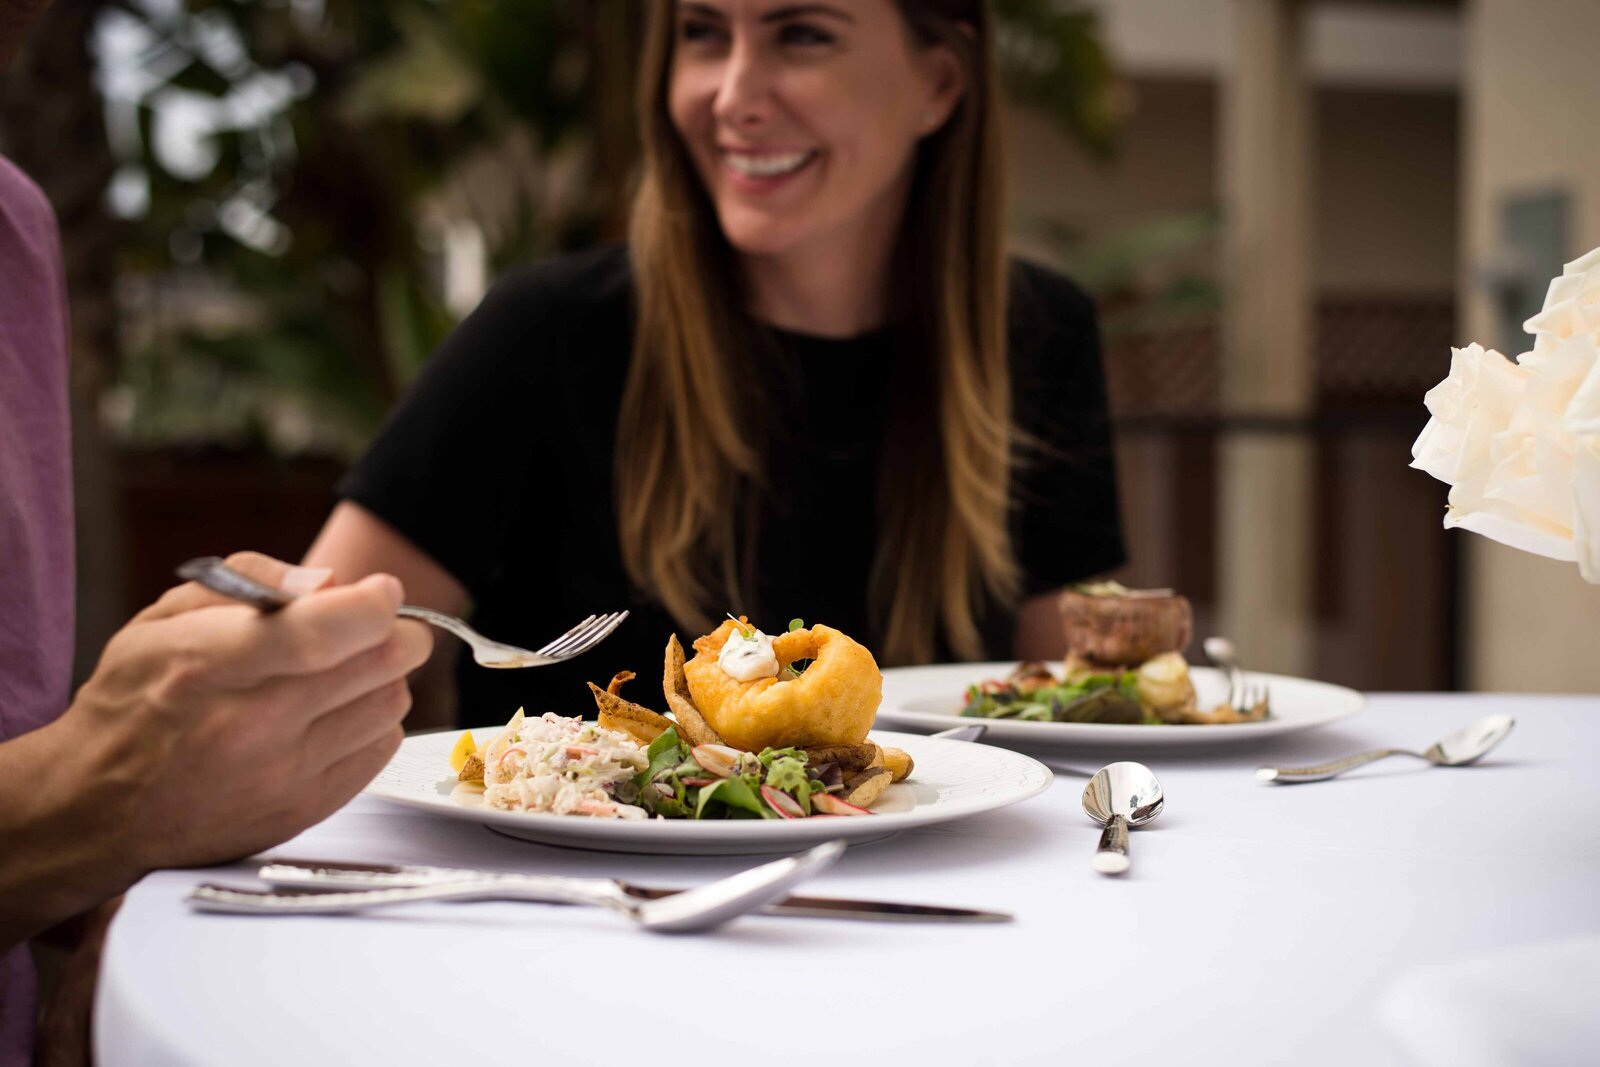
pixel 931 698
pixel 951 780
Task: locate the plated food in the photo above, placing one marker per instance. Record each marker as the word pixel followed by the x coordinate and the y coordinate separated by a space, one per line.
pixel 953 780
pixel 1124 666
pixel 762 728
pixel 932 698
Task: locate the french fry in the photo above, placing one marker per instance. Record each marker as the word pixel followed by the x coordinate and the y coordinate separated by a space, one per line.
pixel 635 720
pixel 899 762
pixel 472 769
pixel 615 685
pixel 692 726
pixel 865 788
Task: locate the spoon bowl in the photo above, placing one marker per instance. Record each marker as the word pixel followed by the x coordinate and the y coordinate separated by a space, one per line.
pixel 1221 652
pixel 1121 796
pixel 1470 744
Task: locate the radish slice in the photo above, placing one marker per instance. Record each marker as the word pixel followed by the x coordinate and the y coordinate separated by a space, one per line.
pixel 720 760
pixel 782 803
pixel 832 805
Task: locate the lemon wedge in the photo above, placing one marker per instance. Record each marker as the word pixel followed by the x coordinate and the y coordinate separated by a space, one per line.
pixel 465 746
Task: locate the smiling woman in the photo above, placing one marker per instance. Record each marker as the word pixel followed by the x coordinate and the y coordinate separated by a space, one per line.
pixel 810 385
pixel 801 122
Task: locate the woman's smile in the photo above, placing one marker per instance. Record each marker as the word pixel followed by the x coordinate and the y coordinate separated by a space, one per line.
pixel 761 171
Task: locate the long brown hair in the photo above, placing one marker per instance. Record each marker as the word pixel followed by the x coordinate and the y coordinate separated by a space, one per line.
pixel 690 439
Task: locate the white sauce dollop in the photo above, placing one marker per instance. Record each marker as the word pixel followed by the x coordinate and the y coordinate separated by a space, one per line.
pixel 748 658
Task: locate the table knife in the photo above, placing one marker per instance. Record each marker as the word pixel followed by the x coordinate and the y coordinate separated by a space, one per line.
pixel 312 875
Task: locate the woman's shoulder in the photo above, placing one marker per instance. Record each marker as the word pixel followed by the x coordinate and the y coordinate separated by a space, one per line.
pixel 1052 333
pixel 1042 298
pixel 595 281
pixel 532 321
pixel 537 314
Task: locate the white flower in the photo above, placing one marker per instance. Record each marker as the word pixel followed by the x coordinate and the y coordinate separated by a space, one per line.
pixel 1586 498
pixel 1571 307
pixel 1451 403
pixel 1519 443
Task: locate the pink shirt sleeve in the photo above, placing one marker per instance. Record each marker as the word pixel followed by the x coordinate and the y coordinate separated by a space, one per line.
pixel 36 561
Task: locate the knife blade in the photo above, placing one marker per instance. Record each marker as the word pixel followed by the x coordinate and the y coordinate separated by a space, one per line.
pixel 302 874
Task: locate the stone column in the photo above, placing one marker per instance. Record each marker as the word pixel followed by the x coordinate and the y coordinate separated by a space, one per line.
pixel 1267 381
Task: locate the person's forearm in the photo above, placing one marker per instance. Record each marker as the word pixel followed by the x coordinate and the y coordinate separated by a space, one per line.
pixel 59 830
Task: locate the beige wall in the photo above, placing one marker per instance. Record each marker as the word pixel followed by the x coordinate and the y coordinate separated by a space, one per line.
pixel 1531 124
pixel 1386 205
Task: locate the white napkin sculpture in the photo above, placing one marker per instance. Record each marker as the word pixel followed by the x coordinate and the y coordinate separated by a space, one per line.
pixel 1518 441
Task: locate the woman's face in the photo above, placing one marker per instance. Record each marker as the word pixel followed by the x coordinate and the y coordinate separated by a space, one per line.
pixel 802 118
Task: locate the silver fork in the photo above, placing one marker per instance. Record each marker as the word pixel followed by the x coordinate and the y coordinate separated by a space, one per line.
pixel 701 908
pixel 1243 694
pixel 217 576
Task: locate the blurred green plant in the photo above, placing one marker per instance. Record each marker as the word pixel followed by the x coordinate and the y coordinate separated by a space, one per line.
pixel 1051 57
pixel 297 175
pixel 1147 277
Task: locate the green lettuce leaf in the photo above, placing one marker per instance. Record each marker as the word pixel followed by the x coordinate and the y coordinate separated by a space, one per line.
pixel 734 793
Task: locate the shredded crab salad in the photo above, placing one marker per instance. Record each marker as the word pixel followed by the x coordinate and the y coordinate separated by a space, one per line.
pixel 564 766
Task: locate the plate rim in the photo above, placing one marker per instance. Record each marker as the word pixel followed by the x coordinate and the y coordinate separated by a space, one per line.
pixel 673 833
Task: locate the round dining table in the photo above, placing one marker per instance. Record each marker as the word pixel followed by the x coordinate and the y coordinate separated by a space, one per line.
pixel 1403 913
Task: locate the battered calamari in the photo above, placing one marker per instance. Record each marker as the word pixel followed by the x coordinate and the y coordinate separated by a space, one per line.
pixel 832 702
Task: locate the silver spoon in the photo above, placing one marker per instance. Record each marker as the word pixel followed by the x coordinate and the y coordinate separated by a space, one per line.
pixel 1220 650
pixel 1459 749
pixel 701 908
pixel 1120 796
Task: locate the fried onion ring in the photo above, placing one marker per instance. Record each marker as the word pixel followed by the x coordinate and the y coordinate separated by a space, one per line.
pixel 832 702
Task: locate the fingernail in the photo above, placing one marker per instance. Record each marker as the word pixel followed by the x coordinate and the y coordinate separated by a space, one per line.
pixel 303 580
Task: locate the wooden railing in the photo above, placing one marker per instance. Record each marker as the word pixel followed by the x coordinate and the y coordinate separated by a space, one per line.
pixel 1387 583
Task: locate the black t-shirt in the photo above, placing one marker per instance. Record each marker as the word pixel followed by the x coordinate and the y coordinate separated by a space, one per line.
pixel 498 465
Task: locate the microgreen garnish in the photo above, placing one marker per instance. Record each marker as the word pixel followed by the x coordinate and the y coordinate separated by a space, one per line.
pixel 744 628
pixel 797 624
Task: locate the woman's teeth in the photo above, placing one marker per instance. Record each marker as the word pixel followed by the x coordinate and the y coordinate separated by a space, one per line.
pixel 768 166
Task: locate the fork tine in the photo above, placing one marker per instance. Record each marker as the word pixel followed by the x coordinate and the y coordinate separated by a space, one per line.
pixel 584 636
pixel 599 632
pixel 553 647
pixel 561 647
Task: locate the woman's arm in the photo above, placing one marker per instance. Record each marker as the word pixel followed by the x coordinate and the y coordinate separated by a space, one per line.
pixel 354 543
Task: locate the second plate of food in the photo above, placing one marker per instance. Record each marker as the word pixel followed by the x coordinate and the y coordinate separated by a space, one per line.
pixel 932 697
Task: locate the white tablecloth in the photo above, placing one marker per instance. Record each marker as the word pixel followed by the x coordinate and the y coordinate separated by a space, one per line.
pixel 1259 924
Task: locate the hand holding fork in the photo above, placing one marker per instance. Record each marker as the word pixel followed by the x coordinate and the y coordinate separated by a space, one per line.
pixel 217 576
